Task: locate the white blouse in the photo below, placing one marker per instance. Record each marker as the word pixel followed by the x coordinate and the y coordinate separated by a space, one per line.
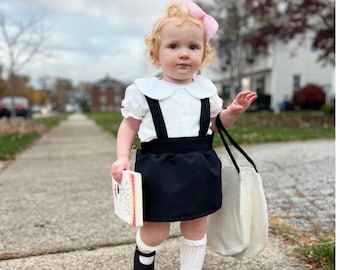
pixel 180 105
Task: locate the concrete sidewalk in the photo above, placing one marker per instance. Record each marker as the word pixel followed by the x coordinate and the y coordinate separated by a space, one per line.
pixel 56 210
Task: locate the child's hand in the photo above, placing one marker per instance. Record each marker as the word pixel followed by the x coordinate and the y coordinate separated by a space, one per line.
pixel 118 167
pixel 242 102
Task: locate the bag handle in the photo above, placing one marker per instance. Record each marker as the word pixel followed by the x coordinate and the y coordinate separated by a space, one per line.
pixel 221 131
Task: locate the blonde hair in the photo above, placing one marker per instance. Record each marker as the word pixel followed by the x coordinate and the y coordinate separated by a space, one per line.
pixel 173 12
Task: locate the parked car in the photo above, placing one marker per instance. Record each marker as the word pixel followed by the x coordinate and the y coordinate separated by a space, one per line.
pixel 21 106
pixel 4 112
pixel 21 111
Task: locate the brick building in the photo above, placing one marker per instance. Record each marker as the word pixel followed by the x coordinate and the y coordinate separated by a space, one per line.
pixel 107 94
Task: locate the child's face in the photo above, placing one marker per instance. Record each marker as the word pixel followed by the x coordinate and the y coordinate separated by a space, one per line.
pixel 181 52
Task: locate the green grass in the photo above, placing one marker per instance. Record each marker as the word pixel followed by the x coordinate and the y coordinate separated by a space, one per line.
pixel 321 255
pixel 13 143
pixel 51 121
pixel 317 253
pixel 107 120
pixel 263 127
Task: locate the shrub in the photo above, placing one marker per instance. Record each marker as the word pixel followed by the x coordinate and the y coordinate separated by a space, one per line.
pixel 310 97
pixel 328 108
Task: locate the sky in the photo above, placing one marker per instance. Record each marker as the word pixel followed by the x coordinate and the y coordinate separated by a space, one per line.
pixel 88 39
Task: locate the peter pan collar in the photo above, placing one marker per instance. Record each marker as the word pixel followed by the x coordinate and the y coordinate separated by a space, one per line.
pixel 158 89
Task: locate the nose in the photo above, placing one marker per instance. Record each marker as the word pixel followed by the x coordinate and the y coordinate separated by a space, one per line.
pixel 184 53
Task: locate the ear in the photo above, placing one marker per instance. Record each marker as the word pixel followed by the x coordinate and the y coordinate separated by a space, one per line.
pixel 154 58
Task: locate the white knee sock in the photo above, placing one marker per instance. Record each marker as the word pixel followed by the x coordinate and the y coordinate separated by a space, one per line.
pixel 144 248
pixel 193 253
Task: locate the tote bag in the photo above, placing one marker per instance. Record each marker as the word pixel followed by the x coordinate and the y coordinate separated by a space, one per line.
pixel 240 227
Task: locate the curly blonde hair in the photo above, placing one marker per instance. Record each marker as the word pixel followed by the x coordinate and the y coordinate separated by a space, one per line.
pixel 174 12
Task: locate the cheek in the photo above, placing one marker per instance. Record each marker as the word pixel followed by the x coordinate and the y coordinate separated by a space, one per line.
pixel 199 58
pixel 165 57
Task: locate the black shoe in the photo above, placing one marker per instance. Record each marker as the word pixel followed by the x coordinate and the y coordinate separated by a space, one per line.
pixel 137 265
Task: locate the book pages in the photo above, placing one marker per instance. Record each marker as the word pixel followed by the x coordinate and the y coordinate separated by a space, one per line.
pixel 128 198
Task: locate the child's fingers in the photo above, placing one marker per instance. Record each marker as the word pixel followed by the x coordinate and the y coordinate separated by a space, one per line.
pixel 116 172
pixel 247 95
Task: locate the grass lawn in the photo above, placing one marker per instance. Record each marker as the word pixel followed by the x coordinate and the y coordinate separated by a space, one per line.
pixel 286 126
pixel 13 143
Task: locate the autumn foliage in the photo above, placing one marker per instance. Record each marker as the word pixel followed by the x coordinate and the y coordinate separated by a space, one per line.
pixel 289 19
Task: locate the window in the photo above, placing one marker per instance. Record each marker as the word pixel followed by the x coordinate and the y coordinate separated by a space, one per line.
pixel 311 45
pixel 226 91
pixel 259 85
pixel 296 82
pixel 102 99
pixel 117 89
pixel 117 100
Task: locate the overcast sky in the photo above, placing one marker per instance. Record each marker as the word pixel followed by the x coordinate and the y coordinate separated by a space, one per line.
pixel 90 39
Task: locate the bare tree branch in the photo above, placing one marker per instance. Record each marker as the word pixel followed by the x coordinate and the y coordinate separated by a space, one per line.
pixel 23 41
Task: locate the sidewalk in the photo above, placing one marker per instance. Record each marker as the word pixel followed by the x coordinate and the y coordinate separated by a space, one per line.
pixel 56 199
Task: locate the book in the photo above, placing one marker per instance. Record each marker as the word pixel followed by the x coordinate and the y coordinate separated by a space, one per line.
pixel 128 198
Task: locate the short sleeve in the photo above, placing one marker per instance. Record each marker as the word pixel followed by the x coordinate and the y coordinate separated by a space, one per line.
pixel 134 103
pixel 216 104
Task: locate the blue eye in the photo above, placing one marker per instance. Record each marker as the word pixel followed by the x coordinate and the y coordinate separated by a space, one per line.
pixel 173 46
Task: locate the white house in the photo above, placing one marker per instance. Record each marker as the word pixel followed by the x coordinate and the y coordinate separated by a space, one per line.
pixel 287 68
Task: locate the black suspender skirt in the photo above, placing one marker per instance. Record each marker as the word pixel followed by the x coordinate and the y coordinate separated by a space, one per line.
pixel 181 176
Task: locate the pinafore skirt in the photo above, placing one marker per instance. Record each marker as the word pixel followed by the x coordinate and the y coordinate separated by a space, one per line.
pixel 181 176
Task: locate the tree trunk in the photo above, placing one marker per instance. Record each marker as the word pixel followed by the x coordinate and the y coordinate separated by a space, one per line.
pixel 12 91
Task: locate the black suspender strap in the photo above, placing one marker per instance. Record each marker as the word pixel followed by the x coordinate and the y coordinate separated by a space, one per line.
pixel 205 117
pixel 159 123
pixel 157 118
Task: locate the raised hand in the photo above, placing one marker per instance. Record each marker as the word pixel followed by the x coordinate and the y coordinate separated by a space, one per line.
pixel 242 102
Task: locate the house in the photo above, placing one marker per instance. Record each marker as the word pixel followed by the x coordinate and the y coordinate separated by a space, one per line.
pixel 107 94
pixel 277 76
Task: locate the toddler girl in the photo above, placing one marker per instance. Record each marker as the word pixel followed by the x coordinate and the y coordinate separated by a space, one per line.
pixel 174 117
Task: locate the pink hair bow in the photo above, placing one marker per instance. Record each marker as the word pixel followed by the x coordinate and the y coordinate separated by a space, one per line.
pixel 209 23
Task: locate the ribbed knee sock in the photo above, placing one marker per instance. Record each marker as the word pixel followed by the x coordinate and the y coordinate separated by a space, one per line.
pixel 193 253
pixel 144 248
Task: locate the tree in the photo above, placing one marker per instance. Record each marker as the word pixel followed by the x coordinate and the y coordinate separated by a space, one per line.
pixel 45 86
pixel 21 42
pixel 288 19
pixel 38 97
pixel 63 88
pixel 2 84
pixel 21 85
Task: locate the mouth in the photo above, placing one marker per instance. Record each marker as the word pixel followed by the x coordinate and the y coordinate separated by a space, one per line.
pixel 183 65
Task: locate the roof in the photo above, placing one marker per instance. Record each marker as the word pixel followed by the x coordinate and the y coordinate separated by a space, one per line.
pixel 109 81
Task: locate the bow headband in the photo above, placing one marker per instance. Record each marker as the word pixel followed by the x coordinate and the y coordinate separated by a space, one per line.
pixel 209 23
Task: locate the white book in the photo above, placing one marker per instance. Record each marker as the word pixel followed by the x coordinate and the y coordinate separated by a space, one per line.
pixel 128 198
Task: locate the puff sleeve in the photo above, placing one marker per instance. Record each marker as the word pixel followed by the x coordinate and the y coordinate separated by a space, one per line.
pixel 216 104
pixel 134 103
